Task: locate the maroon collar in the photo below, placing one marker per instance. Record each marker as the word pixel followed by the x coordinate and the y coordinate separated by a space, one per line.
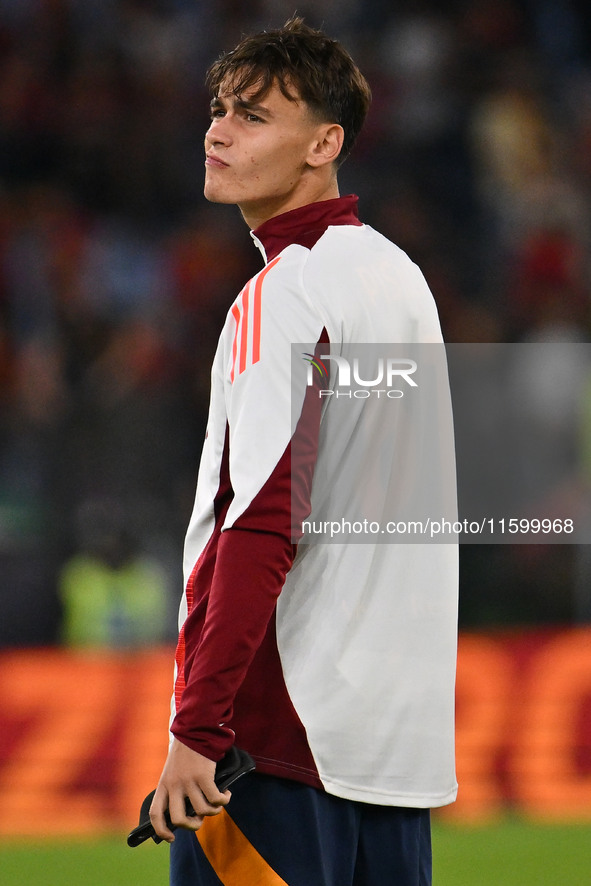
pixel 305 225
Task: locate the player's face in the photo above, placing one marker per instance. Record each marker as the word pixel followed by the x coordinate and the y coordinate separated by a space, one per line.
pixel 256 154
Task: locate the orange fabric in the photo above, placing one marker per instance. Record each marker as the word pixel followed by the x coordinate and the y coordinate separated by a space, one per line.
pixel 256 337
pixel 235 861
pixel 245 314
pixel 244 331
pixel 236 315
pixel 179 685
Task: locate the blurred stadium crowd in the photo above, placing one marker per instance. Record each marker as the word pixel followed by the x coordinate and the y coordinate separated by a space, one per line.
pixel 115 274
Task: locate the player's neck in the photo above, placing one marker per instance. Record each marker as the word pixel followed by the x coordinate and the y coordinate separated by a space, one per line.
pixel 315 192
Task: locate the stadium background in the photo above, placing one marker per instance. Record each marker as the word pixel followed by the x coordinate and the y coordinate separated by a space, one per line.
pixel 115 276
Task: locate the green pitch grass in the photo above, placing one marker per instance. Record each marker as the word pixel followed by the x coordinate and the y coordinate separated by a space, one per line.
pixel 511 853
pixel 105 862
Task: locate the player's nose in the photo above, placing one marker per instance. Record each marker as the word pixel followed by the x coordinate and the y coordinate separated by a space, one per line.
pixel 219 132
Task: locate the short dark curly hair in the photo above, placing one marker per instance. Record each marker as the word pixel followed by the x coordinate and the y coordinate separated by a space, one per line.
pixel 306 65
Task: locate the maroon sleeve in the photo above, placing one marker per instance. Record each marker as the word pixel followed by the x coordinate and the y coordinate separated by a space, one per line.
pixel 253 558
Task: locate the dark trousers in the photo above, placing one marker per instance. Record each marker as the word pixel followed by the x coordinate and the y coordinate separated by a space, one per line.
pixel 277 832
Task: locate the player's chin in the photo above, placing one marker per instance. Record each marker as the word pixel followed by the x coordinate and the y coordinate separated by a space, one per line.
pixel 217 198
pixel 216 194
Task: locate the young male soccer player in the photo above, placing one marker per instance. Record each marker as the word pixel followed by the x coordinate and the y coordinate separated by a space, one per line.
pixel 332 664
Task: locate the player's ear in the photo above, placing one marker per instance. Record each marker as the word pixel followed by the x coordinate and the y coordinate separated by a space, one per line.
pixel 327 145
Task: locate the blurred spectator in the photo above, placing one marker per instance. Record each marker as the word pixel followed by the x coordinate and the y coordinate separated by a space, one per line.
pixel 112 595
pixel 115 276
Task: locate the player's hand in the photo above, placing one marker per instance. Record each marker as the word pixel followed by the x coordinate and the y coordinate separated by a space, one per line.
pixel 186 774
